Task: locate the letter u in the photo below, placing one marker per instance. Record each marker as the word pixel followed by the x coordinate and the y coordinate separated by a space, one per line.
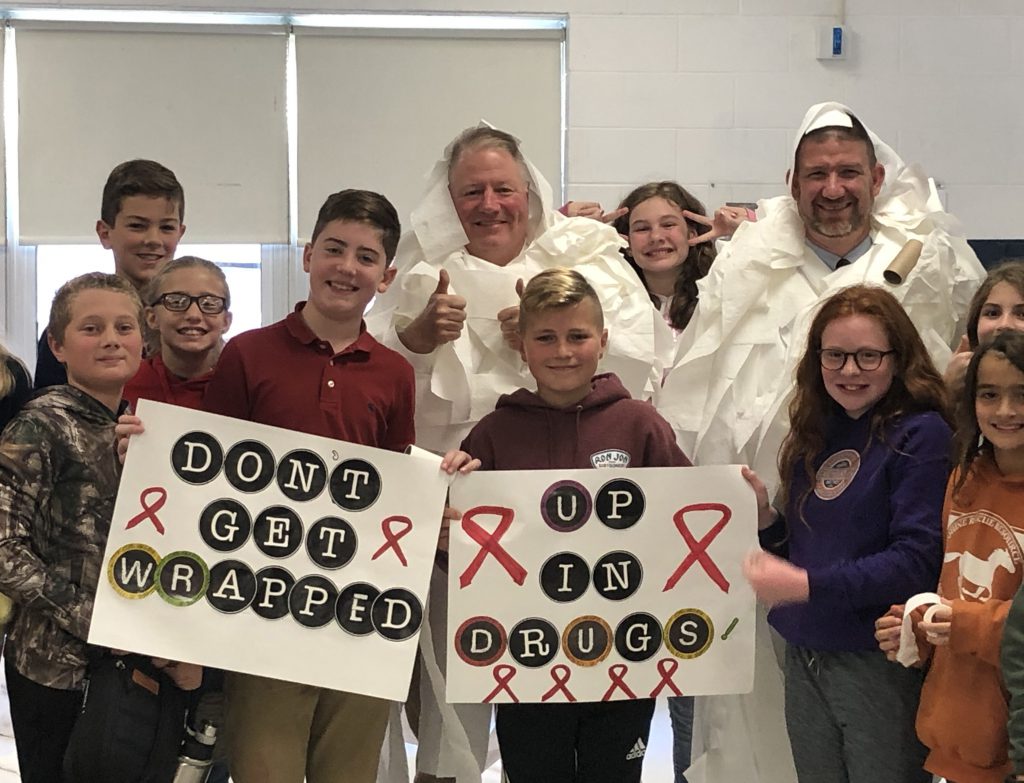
pixel 561 514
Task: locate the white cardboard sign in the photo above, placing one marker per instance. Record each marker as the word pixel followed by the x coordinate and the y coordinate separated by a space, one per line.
pixel 261 550
pixel 597 585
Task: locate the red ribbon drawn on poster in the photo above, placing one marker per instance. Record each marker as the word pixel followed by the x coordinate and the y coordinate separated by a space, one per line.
pixel 699 549
pixel 560 673
pixel 149 511
pixel 666 668
pixel 490 543
pixel 391 538
pixel 617 673
pixel 503 674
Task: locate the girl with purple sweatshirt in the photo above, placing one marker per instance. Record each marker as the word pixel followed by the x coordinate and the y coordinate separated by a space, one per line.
pixel 863 472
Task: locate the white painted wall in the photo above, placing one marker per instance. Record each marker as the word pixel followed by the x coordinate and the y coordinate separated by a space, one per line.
pixel 710 91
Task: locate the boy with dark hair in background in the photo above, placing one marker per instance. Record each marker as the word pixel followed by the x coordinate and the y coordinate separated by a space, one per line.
pixel 141 222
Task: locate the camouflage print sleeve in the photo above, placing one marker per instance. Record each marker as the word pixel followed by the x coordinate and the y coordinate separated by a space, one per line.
pixel 28 529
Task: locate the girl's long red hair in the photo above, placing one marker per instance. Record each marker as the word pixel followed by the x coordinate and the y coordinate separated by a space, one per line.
pixel 916 385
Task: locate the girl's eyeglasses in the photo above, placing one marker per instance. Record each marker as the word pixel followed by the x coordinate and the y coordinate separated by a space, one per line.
pixel 866 359
pixel 179 302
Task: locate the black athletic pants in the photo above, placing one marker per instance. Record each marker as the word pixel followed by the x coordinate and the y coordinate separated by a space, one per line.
pixel 600 742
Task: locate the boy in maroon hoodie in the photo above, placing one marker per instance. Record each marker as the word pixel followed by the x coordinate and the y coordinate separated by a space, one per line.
pixel 575 419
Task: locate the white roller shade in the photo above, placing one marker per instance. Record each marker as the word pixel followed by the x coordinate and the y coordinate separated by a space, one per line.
pixel 376 112
pixel 210 106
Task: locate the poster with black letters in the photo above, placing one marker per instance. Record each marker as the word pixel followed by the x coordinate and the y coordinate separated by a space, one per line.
pixel 261 550
pixel 598 585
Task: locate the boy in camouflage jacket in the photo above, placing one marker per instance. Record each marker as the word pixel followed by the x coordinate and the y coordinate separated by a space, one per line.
pixel 58 481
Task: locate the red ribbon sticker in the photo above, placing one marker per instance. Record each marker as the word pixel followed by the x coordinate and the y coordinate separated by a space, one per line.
pixel 391 538
pixel 489 544
pixel 560 673
pixel 699 549
pixel 617 673
pixel 149 511
pixel 503 674
pixel 666 668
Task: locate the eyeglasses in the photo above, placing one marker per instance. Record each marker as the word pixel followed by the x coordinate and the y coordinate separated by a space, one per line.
pixel 179 302
pixel 866 359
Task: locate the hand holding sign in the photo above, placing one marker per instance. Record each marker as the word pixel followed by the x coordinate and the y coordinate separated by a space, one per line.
pixel 767 514
pixel 127 426
pixel 454 462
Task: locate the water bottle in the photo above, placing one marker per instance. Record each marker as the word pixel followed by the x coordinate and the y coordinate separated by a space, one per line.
pixel 196 754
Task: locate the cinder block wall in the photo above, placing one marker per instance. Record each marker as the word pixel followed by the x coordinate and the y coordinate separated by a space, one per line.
pixel 710 91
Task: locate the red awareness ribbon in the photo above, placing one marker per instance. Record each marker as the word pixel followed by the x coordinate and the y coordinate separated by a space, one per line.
pixel 699 549
pixel 503 674
pixel 617 672
pixel 666 668
pixel 391 538
pixel 489 544
pixel 149 511
pixel 560 673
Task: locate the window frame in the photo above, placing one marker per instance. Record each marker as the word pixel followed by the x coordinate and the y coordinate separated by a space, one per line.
pixel 282 280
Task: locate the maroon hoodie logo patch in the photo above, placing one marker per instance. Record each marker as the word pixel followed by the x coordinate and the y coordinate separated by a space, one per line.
pixel 612 458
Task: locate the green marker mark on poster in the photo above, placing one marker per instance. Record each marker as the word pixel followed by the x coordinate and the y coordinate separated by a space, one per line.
pixel 728 630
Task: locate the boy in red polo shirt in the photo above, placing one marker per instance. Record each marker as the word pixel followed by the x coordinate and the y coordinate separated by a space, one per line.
pixel 319 371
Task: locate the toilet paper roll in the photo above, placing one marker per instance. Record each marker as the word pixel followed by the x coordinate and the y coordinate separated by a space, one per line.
pixel 907 654
pixel 904 263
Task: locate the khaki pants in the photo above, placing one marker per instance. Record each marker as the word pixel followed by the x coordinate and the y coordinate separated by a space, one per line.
pixel 284 732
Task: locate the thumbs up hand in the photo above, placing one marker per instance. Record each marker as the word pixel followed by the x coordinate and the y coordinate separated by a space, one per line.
pixel 509 320
pixel 442 282
pixel 440 322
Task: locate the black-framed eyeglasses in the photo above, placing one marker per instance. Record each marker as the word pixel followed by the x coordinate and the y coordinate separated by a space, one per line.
pixel 866 359
pixel 179 302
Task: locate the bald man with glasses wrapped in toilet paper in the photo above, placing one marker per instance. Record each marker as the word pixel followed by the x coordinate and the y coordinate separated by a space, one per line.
pixel 486 222
pixel 853 205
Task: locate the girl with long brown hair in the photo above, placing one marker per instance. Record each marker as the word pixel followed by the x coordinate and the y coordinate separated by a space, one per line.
pixel 659 234
pixel 862 476
pixel 997 306
pixel 659 225
pixel 963 713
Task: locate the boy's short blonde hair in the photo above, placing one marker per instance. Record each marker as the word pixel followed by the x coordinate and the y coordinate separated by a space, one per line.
pixel 60 310
pixel 554 288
